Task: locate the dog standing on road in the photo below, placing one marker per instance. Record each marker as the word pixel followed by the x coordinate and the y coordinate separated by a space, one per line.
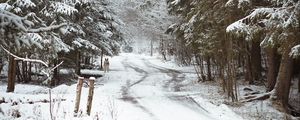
pixel 106 65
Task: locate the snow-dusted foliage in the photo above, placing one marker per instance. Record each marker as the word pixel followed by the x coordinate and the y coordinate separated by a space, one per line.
pixel 277 22
pixel 83 25
pixel 175 2
pixel 5 6
pixel 71 29
pixel 12 21
pixel 101 26
pixel 199 26
pixel 295 52
pixel 279 18
pixel 79 42
pixel 60 8
pixel 59 45
pixel 31 39
pixel 25 4
pixel 240 3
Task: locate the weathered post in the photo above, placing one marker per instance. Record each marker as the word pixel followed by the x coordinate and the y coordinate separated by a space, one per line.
pixel 90 96
pixel 78 95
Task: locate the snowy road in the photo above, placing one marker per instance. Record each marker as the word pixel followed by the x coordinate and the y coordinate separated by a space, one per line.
pixel 154 91
pixel 138 87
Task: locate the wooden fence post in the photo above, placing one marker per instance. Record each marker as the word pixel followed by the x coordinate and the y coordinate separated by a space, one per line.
pixel 90 96
pixel 78 95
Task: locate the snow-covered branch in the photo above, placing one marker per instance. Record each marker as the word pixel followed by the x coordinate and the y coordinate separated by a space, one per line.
pixel 295 51
pixel 57 66
pixel 24 59
pixel 49 28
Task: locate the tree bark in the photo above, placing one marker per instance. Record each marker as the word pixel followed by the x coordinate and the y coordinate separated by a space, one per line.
pixel 256 60
pixel 273 67
pixel 101 60
pixel 222 78
pixel 29 71
pixel 11 74
pixel 78 63
pixel 19 73
pixel 55 74
pixel 230 69
pixel 298 82
pixel 209 77
pixel 151 48
pixel 1 66
pixel 249 76
pixel 284 79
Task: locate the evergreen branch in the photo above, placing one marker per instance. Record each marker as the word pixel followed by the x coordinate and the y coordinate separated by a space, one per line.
pixel 47 29
pixel 24 59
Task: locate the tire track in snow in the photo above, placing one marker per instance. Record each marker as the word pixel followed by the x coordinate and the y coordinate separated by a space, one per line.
pixel 187 100
pixel 175 80
pixel 125 89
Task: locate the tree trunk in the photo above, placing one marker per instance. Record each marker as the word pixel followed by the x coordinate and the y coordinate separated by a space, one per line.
pixel 19 73
pixel 298 82
pixel 29 71
pixel 197 67
pixel 222 78
pixel 101 60
pixel 25 71
pixel 284 79
pixel 208 69
pixel 11 74
pixel 201 65
pixel 248 76
pixel 256 60
pixel 151 48
pixel 78 63
pixel 55 74
pixel 1 65
pixel 273 67
pixel 230 69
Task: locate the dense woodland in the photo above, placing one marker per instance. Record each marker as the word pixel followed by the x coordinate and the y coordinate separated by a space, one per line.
pixel 252 41
pixel 231 42
pixel 64 33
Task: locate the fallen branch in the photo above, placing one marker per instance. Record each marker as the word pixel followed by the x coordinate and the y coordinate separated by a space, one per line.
pixel 32 102
pixel 252 93
pixel 263 96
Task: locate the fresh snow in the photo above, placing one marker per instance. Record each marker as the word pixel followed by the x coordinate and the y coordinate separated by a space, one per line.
pixel 137 87
pixel 62 8
pixel 5 6
pixel 295 52
pixel 25 4
pixel 142 22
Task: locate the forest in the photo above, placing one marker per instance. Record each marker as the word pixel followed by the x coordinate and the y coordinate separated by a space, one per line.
pixel 252 41
pixel 231 43
pixel 68 31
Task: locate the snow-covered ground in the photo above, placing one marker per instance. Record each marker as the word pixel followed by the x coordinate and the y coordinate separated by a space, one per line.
pixel 136 88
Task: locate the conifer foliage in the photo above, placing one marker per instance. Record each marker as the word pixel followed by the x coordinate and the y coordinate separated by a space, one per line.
pixel 228 40
pixel 54 31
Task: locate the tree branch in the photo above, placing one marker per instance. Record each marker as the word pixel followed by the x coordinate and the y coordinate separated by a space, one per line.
pixel 24 59
pixel 57 65
pixel 47 29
